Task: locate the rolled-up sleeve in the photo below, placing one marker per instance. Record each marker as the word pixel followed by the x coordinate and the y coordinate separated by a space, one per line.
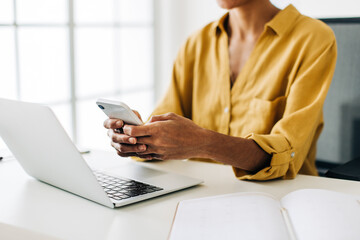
pixel 297 131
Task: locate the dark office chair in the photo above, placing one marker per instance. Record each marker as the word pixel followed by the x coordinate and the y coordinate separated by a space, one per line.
pixel 349 171
pixel 340 140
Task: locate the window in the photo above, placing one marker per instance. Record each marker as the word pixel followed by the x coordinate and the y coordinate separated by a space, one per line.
pixel 67 53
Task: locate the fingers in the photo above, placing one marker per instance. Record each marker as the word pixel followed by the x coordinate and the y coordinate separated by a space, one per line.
pixel 129 149
pixel 139 155
pixel 137 131
pixel 120 138
pixel 121 143
pixel 113 123
pixel 135 149
pixel 125 145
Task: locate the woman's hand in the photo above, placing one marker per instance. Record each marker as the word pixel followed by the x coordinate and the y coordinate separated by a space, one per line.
pixel 171 136
pixel 121 141
pixel 165 137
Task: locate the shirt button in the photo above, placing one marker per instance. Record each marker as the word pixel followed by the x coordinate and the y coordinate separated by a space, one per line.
pixel 292 154
pixel 226 110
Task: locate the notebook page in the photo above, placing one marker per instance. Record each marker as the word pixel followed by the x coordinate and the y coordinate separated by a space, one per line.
pixel 233 216
pixel 321 214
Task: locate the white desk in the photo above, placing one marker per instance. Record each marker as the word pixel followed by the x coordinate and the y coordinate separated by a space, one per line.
pixel 30 204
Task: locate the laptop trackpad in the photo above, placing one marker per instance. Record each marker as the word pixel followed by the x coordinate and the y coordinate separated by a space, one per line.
pixel 134 171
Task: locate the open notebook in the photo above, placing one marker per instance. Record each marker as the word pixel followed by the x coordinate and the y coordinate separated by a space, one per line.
pixel 303 215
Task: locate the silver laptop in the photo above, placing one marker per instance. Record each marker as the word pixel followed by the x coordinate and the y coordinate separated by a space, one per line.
pixel 41 145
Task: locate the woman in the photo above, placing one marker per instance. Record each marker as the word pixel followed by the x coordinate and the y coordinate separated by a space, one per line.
pixel 247 91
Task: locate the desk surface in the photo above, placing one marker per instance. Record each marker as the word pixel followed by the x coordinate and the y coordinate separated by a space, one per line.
pixel 32 205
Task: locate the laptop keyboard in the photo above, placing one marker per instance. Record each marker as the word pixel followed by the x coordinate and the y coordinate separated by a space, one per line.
pixel 122 188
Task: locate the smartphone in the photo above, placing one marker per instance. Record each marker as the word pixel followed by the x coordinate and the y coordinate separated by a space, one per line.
pixel 119 110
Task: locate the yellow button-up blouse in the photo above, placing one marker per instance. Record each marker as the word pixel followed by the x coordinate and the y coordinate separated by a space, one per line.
pixel 277 98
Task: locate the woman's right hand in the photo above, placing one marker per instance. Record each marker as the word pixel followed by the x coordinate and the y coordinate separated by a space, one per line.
pixel 125 145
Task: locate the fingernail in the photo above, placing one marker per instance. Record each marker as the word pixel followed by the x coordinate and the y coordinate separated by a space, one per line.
pixel 119 123
pixel 142 147
pixel 132 140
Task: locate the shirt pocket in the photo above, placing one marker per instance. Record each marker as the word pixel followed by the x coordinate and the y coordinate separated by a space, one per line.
pixel 264 114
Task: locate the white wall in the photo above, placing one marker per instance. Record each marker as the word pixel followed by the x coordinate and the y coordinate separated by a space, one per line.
pixel 176 19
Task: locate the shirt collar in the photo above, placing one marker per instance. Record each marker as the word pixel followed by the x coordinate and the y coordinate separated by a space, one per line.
pixel 283 20
pixel 219 25
pixel 279 24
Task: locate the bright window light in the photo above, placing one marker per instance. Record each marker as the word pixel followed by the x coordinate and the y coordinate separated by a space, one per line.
pixel 6 12
pixel 135 52
pixel 130 11
pixel 44 68
pixel 67 53
pixel 7 61
pixel 94 11
pixel 42 11
pixel 94 61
